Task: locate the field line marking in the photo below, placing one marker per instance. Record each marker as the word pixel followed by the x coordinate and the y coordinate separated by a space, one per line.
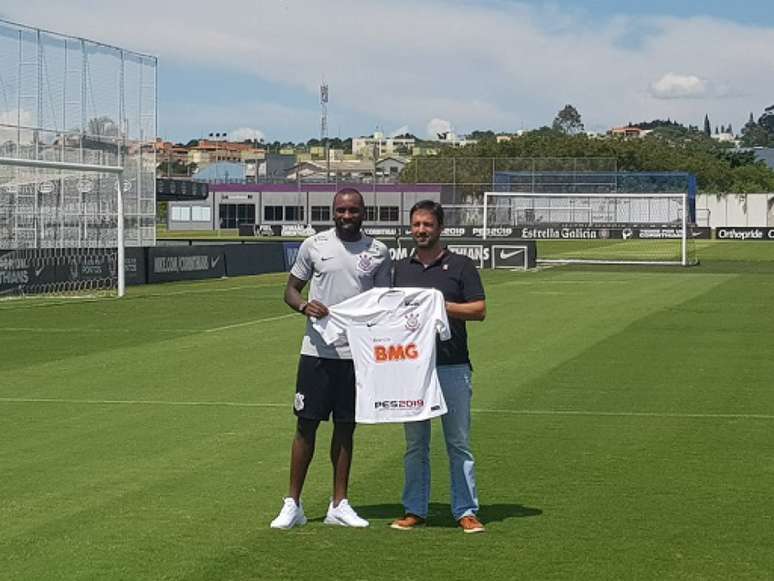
pixel 247 323
pixel 141 402
pixel 625 414
pixel 88 330
pixel 583 413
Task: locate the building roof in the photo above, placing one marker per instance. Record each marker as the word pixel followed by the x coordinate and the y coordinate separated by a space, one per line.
pixel 331 187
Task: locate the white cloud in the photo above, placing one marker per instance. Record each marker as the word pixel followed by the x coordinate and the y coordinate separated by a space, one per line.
pixel 436 126
pixel 497 65
pixel 673 86
pixel 245 133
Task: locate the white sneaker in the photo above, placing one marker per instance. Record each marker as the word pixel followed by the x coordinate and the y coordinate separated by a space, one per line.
pixel 344 516
pixel 291 515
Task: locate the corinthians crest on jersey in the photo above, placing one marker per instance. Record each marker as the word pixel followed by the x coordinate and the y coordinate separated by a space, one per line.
pixel 412 321
pixel 365 262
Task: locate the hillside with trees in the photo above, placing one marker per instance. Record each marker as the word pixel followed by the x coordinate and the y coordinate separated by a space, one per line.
pixel 719 168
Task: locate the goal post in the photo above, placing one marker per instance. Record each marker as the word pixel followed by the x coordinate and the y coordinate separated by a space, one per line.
pixel 597 228
pixel 61 215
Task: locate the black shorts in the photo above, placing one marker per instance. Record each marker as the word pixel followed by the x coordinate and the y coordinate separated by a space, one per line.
pixel 325 386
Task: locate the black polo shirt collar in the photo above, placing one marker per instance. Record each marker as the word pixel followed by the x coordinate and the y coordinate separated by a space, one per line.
pixel 444 254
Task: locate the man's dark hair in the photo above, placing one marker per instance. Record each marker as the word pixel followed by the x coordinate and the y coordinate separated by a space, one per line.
pixel 428 206
pixel 349 191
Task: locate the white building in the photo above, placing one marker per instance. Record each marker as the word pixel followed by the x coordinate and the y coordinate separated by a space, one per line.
pixel 382 146
pixel 451 138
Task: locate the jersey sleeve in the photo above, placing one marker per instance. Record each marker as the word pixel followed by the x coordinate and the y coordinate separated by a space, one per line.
pixel 440 318
pixel 383 276
pixel 357 309
pixel 332 328
pixel 302 268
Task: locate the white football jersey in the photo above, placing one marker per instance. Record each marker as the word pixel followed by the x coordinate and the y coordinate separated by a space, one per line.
pixel 391 333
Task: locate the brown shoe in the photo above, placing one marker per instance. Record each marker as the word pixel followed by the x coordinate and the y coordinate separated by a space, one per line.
pixel 470 524
pixel 408 522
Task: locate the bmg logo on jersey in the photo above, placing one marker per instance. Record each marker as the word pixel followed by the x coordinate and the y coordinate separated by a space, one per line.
pixel 383 354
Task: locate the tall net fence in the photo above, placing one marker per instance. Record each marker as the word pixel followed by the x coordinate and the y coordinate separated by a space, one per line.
pixel 78 123
pixel 463 181
pixel 74 101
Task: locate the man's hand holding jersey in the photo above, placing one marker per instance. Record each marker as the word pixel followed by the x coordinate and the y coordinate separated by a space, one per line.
pixel 315 309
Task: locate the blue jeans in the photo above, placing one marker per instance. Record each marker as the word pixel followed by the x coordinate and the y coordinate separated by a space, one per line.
pixel 457 390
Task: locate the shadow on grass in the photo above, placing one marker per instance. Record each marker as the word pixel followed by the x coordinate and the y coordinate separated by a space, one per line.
pixel 440 513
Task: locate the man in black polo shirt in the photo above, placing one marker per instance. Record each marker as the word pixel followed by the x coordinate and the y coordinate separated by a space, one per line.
pixel 457 278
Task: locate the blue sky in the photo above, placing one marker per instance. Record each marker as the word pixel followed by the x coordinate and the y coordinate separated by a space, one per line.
pixel 252 68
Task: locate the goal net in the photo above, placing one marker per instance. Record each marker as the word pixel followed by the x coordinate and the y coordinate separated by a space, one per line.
pixel 61 228
pixel 618 228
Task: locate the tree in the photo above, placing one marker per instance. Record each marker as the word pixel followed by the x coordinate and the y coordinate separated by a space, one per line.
pixel 767 119
pixel 707 126
pixel 480 135
pixel 656 123
pixel 568 121
pixel 718 167
pixel 754 135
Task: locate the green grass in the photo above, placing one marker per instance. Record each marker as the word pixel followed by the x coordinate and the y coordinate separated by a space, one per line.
pixel 222 234
pixel 622 428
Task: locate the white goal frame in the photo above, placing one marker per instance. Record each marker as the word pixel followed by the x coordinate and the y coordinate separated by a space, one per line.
pixel 89 168
pixel 684 220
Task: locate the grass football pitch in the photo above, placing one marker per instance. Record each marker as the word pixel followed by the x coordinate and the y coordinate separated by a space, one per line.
pixel 623 429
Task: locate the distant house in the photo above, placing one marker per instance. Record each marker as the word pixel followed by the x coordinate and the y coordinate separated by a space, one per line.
pixel 317 170
pixel 390 167
pixel 380 146
pixel 724 137
pixel 208 151
pixel 628 132
pixel 451 138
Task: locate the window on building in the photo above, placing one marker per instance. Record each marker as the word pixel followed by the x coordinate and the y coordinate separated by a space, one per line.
pixel 272 213
pixel 245 214
pixel 294 214
pixel 200 214
pixel 181 214
pixel 388 213
pixel 370 213
pixel 321 213
pixel 232 215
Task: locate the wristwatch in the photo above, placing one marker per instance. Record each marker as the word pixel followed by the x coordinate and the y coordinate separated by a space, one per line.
pixel 302 307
